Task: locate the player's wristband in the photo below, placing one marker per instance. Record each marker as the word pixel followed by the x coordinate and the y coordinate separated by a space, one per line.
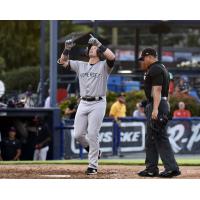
pixel 102 48
pixel 66 52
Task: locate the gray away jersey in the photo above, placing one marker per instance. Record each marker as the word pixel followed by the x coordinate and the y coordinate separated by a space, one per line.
pixel 92 78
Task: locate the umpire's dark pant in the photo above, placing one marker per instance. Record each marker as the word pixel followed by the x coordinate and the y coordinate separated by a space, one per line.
pixel 157 142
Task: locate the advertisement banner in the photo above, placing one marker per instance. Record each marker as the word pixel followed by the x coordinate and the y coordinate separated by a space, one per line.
pixel 184 136
pixel 129 137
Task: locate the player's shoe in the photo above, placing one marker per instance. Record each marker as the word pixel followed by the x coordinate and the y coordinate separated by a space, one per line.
pixel 148 173
pixel 91 171
pixel 170 173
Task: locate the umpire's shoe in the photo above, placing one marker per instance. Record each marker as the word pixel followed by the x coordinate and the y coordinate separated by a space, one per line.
pixel 91 171
pixel 148 173
pixel 170 173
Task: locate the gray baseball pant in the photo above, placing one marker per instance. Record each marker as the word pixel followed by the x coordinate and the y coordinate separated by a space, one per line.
pixel 87 125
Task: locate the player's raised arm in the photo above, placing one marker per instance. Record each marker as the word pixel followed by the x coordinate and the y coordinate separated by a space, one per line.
pixel 64 58
pixel 109 55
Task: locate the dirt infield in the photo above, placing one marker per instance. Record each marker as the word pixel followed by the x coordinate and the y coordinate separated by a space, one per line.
pixel 58 171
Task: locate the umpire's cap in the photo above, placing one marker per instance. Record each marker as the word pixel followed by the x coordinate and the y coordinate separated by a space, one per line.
pixel 148 52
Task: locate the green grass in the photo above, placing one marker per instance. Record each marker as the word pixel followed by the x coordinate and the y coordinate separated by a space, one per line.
pixel 181 162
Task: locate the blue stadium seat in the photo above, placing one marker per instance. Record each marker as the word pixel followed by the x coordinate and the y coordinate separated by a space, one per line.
pixel 131 86
pixel 114 79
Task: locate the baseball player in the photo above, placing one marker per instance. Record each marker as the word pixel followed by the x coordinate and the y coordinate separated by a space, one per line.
pixel 40 138
pixel 93 77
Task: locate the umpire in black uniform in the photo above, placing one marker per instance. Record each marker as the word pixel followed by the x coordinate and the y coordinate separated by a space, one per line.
pixel 156 85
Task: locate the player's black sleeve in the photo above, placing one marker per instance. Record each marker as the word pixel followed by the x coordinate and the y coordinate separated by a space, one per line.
pixel 110 63
pixel 156 76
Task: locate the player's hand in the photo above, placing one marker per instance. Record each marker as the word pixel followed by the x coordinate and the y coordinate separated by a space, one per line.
pixel 69 44
pixel 94 41
pixel 154 114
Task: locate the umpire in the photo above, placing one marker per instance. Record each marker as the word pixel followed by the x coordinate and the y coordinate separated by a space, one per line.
pixel 156 85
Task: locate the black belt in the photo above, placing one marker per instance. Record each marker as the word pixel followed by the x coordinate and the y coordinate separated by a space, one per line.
pixel 91 98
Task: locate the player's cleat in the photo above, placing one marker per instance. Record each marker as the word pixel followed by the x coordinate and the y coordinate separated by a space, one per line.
pixel 100 153
pixel 169 173
pixel 91 171
pixel 147 173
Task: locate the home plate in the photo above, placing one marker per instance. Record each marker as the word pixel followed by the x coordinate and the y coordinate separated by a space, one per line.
pixel 56 176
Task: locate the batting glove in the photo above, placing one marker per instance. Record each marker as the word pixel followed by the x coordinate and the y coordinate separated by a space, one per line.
pixel 69 44
pixel 94 41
